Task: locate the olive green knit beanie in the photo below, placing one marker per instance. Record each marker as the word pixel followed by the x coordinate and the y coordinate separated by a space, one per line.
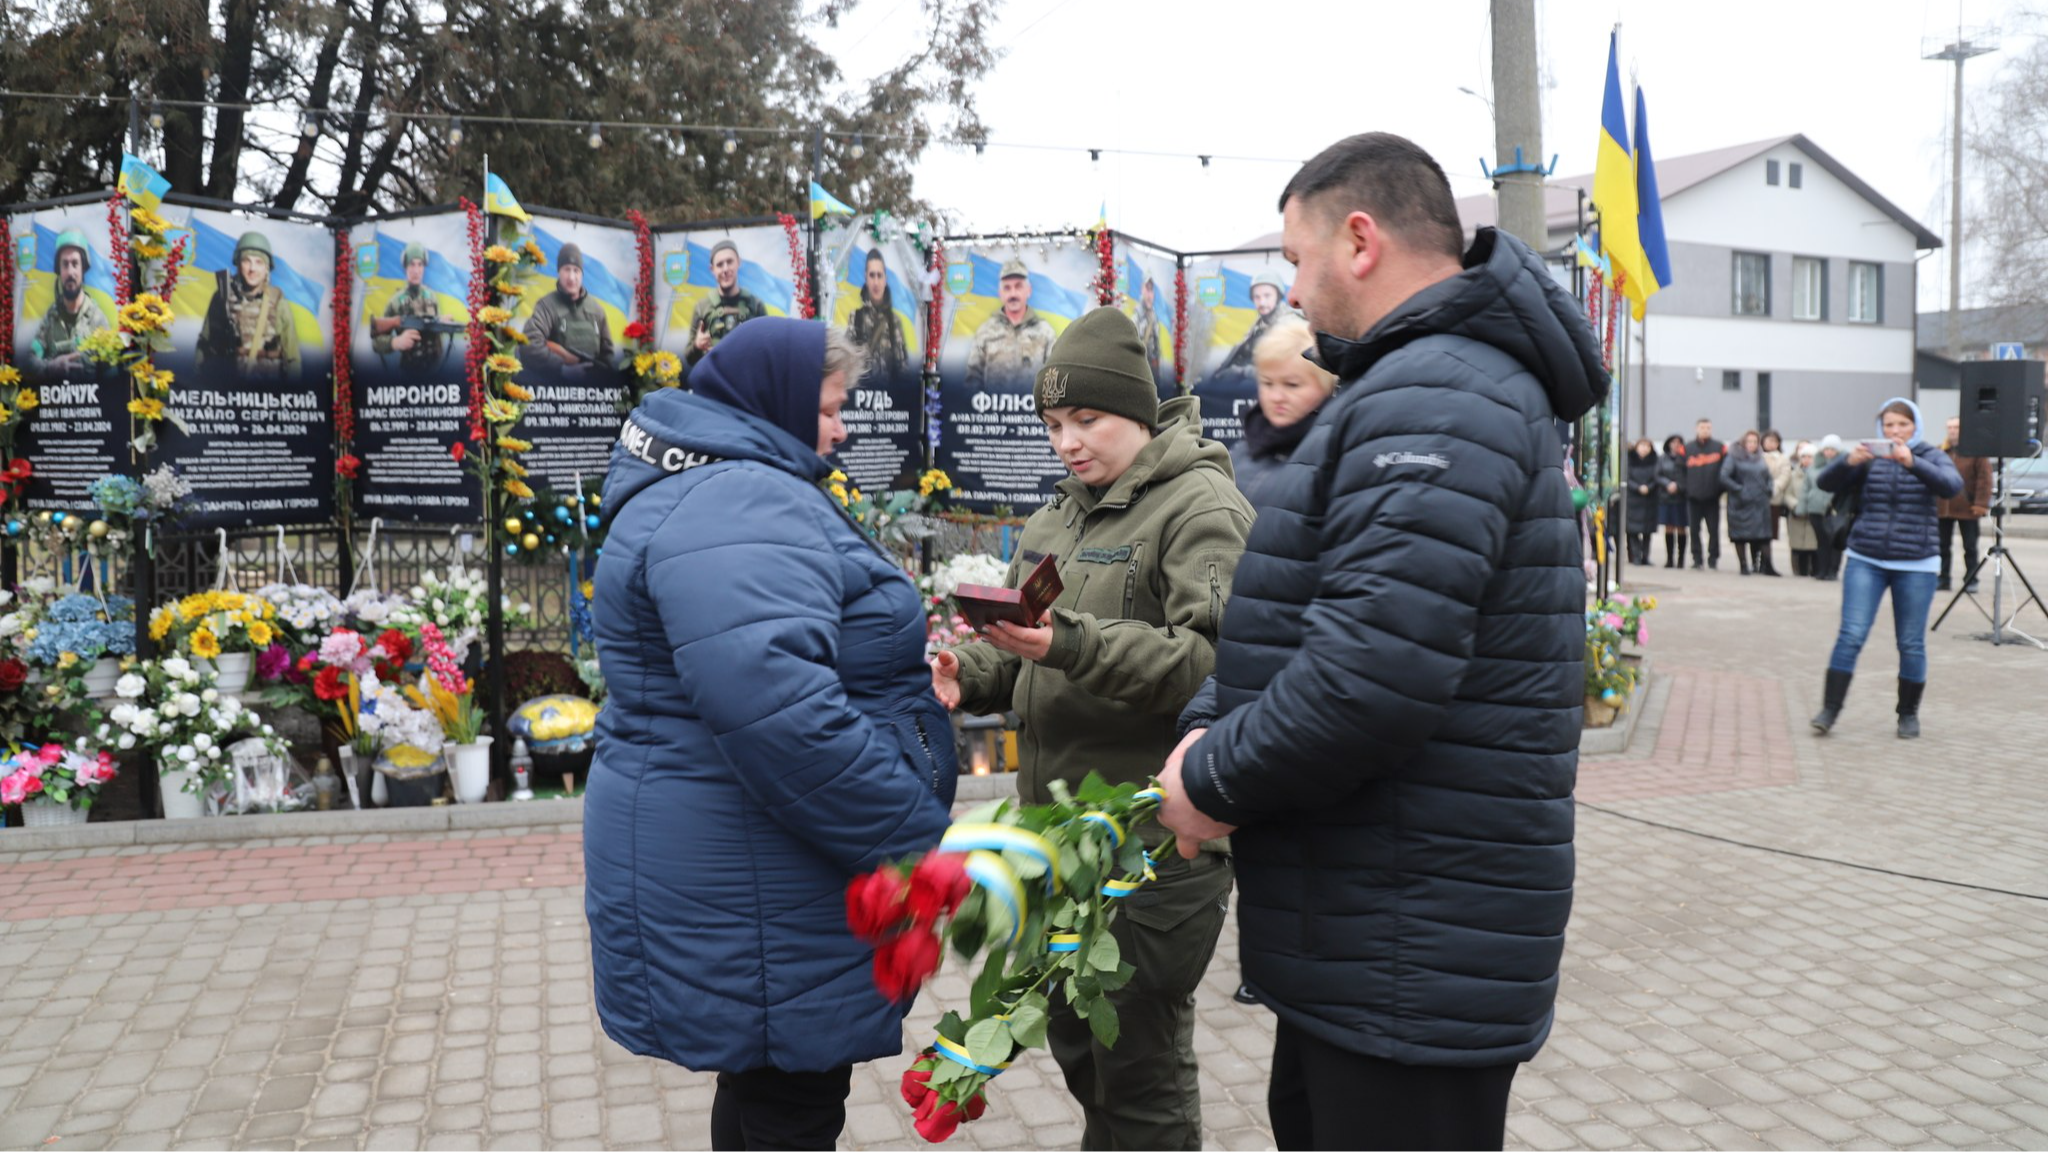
pixel 1099 363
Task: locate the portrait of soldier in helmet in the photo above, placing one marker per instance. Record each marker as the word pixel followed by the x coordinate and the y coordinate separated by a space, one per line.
pixel 72 316
pixel 1268 294
pixel 418 346
pixel 249 323
pixel 1012 344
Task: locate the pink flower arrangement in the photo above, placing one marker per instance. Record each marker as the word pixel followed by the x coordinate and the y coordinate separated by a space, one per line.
pixel 346 650
pixel 57 773
pixel 441 660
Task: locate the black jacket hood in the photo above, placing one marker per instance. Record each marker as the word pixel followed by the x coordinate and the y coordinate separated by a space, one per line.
pixel 1505 297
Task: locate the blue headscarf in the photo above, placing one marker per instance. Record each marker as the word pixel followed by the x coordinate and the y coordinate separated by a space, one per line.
pixel 771 367
pixel 1916 439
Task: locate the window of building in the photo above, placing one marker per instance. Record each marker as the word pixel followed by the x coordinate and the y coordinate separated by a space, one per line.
pixel 1771 172
pixel 1793 173
pixel 1752 284
pixel 1809 288
pixel 1763 400
pixel 1731 381
pixel 1866 292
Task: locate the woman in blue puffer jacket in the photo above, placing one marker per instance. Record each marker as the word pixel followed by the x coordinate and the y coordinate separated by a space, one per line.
pixel 771 733
pixel 1895 544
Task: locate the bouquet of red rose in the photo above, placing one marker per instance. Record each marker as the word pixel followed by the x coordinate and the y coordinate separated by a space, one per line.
pixel 1034 888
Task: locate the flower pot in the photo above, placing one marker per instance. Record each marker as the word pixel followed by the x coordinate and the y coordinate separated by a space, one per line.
pixel 43 812
pixel 231 672
pixel 470 767
pixel 178 803
pixel 101 678
pixel 415 791
pixel 1600 714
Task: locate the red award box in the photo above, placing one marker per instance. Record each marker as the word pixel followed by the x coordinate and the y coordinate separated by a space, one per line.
pixel 983 605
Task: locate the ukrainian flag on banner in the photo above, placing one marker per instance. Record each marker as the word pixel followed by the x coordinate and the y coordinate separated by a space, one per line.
pixel 613 295
pixel 447 280
pixel 499 201
pixel 824 203
pixel 39 273
pixel 1649 217
pixel 143 184
pixel 1614 185
pixel 852 289
pixel 1055 304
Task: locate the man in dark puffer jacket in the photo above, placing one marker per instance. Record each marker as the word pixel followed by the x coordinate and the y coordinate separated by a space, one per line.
pixel 1393 725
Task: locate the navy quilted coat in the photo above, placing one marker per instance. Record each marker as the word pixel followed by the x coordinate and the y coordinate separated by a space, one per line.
pixel 1898 520
pixel 1396 705
pixel 771 732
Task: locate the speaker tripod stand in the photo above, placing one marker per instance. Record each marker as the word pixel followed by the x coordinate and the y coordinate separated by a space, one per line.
pixel 2002 631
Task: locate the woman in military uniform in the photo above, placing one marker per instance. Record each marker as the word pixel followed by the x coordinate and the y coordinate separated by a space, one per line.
pixel 875 325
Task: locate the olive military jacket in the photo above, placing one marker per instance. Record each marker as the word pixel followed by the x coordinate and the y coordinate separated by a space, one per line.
pixel 1147 567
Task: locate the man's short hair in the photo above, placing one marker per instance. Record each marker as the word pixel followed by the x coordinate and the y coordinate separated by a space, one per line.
pixel 1391 179
pixel 725 246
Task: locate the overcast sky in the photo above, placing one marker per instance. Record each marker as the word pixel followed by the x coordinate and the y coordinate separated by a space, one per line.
pixel 1282 80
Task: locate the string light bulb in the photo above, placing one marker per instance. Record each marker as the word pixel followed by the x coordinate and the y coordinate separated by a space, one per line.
pixel 732 143
pixel 859 149
pixel 455 132
pixel 1205 165
pixel 307 123
pixel 1095 158
pixel 156 115
pixel 980 147
pixel 596 137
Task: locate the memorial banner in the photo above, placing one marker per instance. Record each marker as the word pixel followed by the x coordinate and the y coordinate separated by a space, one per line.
pixel 873 288
pixel 251 410
pixel 64 290
pixel 408 344
pixel 1145 278
pixel 1232 300
pixel 708 281
pixel 1006 302
pixel 574 311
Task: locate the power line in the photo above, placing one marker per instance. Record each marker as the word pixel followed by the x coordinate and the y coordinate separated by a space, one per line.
pixel 306 114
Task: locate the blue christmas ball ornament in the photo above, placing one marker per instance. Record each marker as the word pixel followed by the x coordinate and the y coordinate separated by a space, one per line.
pixel 591 521
pixel 1610 695
pixel 528 513
pixel 597 551
pixel 57 517
pixel 511 549
pixel 562 513
pixel 14 527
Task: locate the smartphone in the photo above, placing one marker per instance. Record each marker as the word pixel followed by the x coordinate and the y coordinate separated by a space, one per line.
pixel 1878 447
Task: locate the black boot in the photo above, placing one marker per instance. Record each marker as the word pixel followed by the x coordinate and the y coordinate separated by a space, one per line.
pixel 1909 709
pixel 1832 699
pixel 1673 556
pixel 1742 556
pixel 1763 559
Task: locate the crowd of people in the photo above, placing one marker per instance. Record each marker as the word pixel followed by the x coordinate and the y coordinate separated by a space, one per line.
pixel 1287 636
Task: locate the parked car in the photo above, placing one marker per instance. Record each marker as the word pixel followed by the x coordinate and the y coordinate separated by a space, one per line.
pixel 2029 482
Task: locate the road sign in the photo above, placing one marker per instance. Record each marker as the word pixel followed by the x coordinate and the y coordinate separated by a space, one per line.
pixel 2008 352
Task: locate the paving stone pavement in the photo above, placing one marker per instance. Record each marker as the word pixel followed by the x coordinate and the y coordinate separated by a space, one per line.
pixel 1719 991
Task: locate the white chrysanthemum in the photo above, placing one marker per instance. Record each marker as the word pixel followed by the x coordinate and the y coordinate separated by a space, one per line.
pixel 177 666
pixel 210 695
pixel 130 686
pixel 185 754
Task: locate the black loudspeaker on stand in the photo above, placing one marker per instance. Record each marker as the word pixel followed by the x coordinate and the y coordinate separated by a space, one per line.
pixel 2001 413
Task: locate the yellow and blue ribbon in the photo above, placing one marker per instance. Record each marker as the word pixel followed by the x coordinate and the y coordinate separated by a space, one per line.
pixel 1150 794
pixel 1064 942
pixel 1005 891
pixel 1122 888
pixel 1005 838
pixel 957 1053
pixel 1105 820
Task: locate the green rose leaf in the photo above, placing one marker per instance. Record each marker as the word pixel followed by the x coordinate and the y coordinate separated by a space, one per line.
pixel 1103 1022
pixel 989 1042
pixel 947 1070
pixel 982 999
pixel 1028 1020
pixel 1104 955
pixel 1111 981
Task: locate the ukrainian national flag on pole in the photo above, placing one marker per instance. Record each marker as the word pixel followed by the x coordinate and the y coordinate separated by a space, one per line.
pixel 144 185
pixel 1614 186
pixel 1649 217
pixel 824 203
pixel 499 201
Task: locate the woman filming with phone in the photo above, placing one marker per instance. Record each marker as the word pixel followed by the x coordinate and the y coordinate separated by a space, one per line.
pixel 1895 545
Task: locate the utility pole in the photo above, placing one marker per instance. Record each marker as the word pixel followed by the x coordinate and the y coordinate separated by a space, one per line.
pixel 1518 124
pixel 1960 49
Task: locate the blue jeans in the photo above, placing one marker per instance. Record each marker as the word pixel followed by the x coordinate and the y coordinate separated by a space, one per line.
pixel 1863 583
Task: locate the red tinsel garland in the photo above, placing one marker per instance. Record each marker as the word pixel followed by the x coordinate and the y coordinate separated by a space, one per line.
pixel 1104 284
pixel 1180 326
pixel 346 464
pixel 117 250
pixel 6 292
pixel 479 295
pixel 799 271
pixel 643 289
pixel 1612 306
pixel 172 265
pixel 1594 300
pixel 934 323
